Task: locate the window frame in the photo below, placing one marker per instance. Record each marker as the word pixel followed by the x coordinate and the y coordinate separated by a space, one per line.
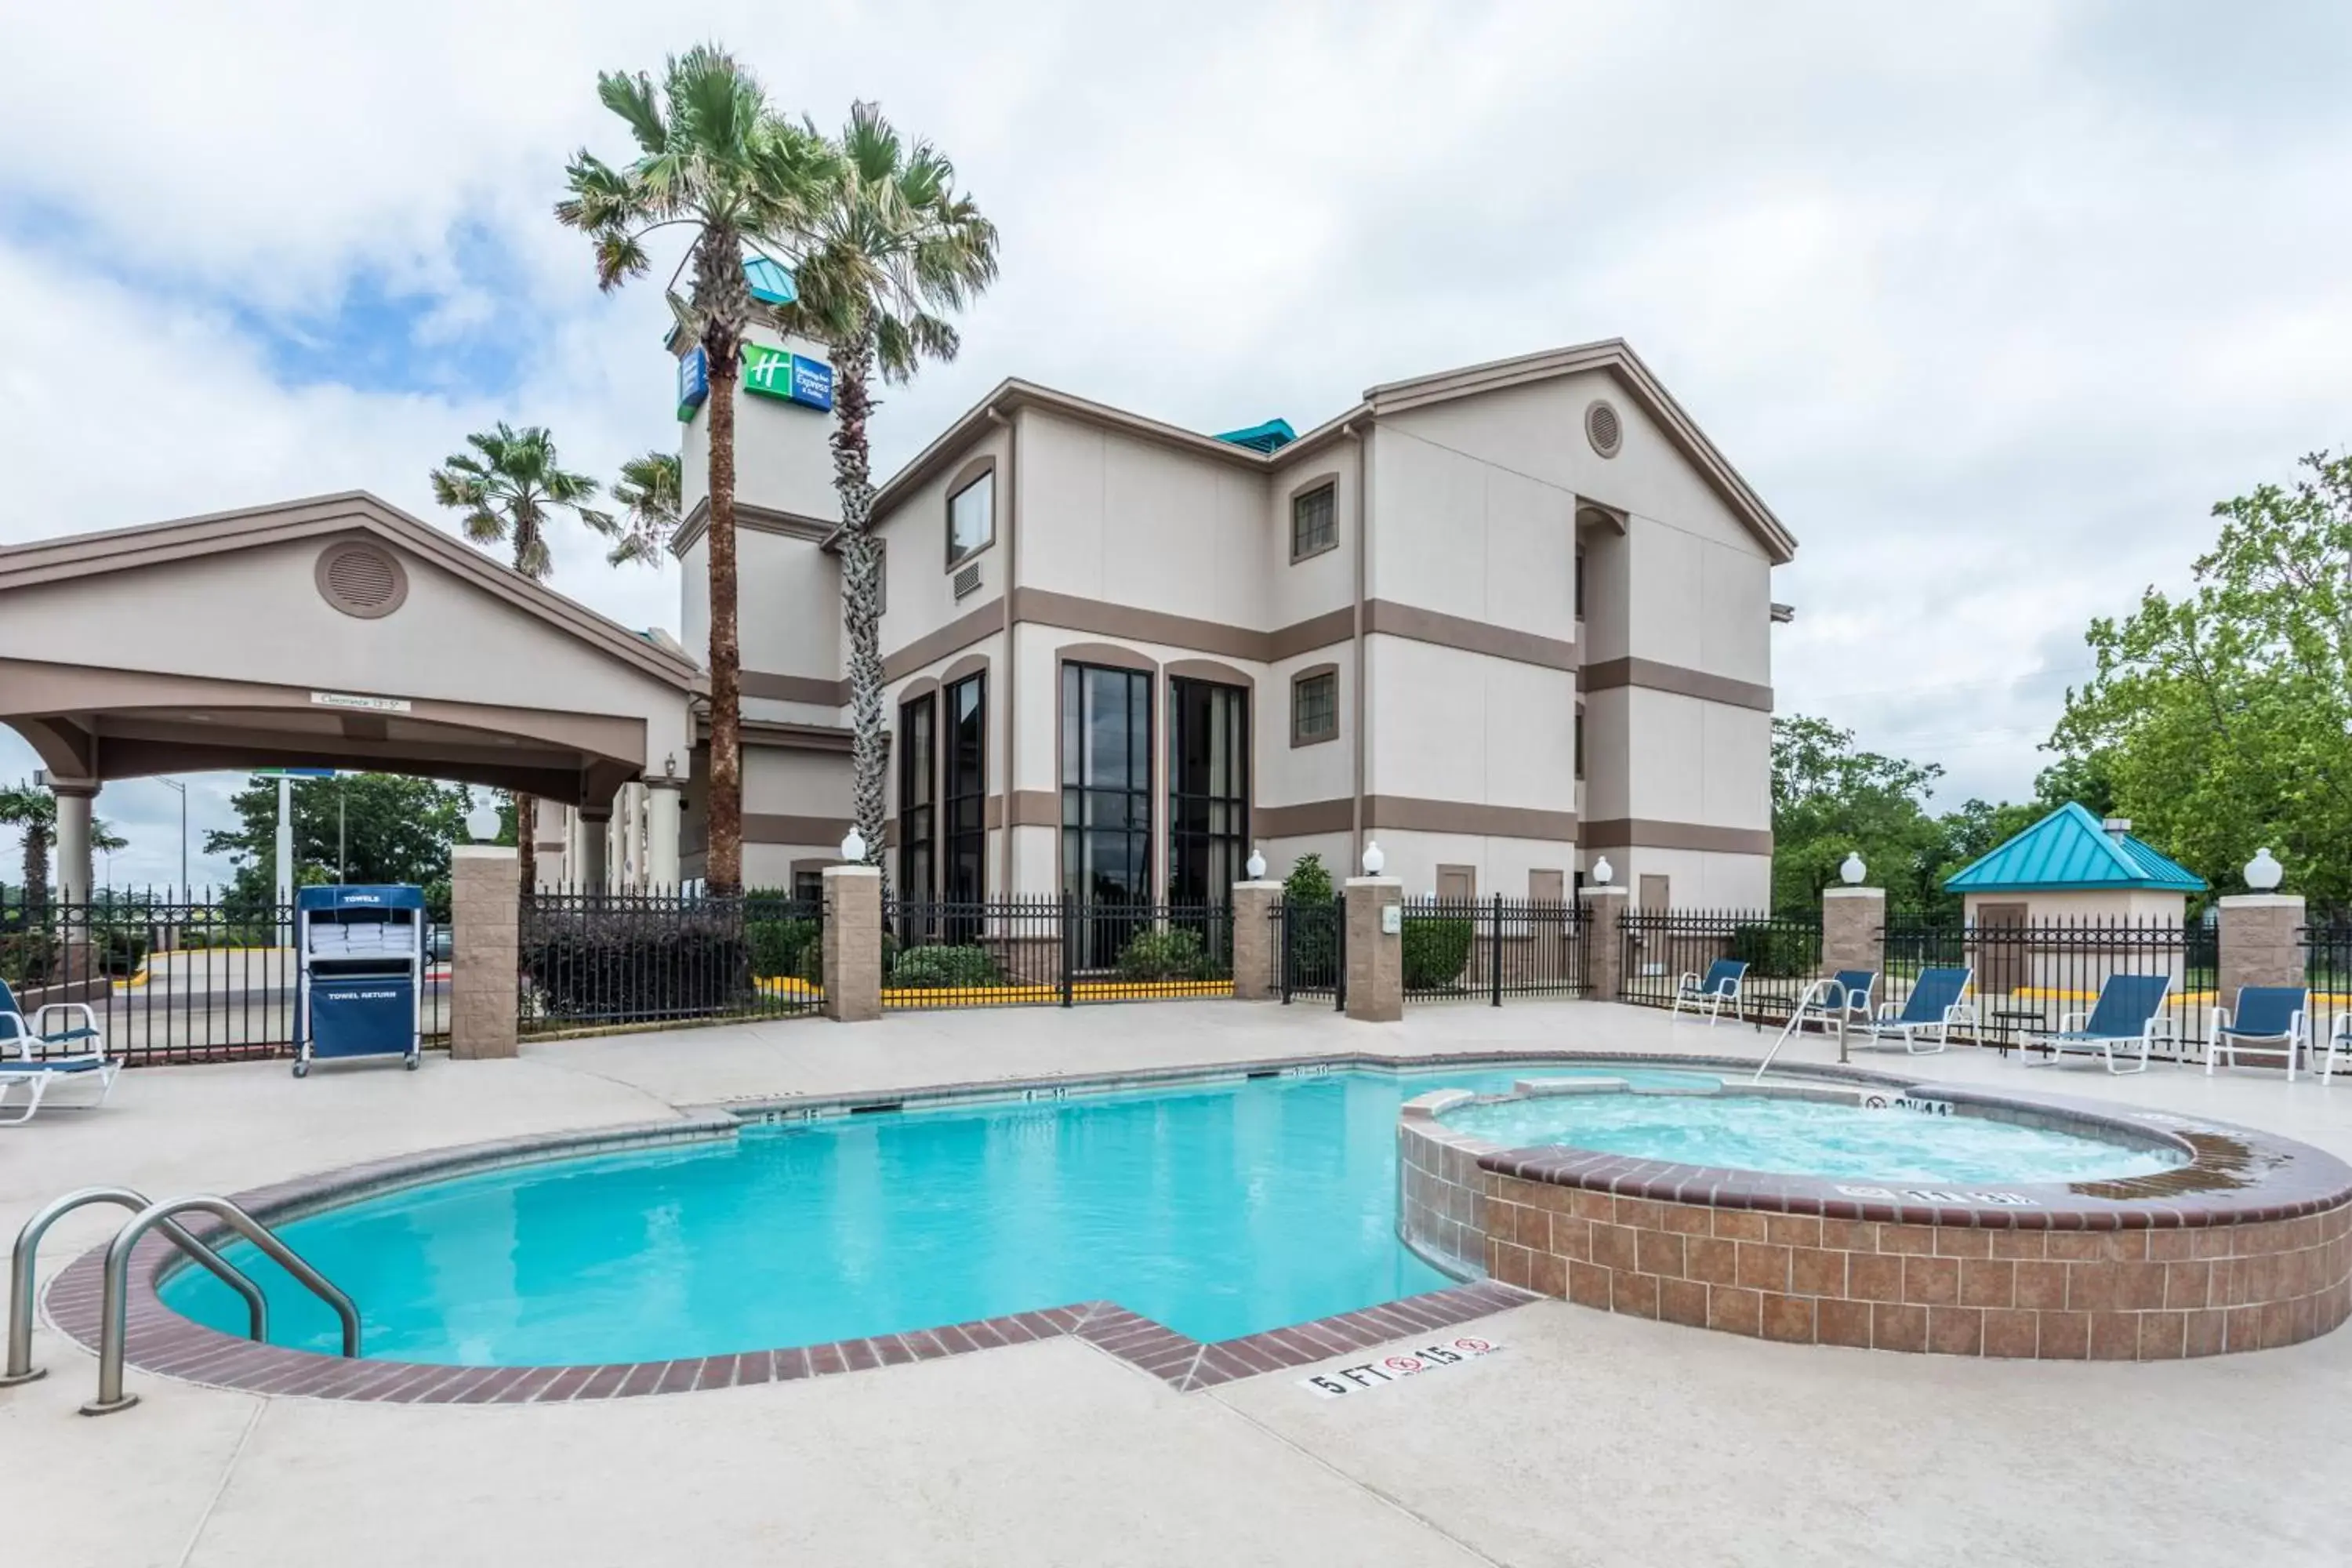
pixel 1321 672
pixel 982 472
pixel 918 763
pixel 1328 486
pixel 957 835
pixel 1210 845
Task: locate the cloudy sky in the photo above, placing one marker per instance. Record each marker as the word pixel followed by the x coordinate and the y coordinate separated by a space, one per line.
pixel 1990 303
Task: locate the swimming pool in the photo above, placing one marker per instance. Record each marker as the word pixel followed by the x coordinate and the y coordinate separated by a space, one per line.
pixel 1216 1208
pixel 1813 1137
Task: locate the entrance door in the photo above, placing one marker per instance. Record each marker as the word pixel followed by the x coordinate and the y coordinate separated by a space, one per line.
pixel 1652 894
pixel 2001 956
pixel 1456 884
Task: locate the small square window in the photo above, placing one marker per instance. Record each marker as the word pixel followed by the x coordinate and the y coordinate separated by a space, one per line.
pixel 1314 521
pixel 1580 745
pixel 971 519
pixel 1314 708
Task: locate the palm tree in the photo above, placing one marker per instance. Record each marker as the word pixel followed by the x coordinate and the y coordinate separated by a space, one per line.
pixel 711 160
pixel 648 490
pixel 34 811
pixel 510 488
pixel 889 249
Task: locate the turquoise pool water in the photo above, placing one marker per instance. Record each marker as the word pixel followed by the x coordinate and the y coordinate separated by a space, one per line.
pixel 1802 1137
pixel 1218 1209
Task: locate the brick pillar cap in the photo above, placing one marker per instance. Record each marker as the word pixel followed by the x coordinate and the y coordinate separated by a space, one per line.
pixel 2261 901
pixel 853 871
pixel 1376 882
pixel 482 851
pixel 1259 886
pixel 1854 892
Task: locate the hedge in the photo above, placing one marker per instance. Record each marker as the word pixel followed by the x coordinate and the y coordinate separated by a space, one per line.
pixel 1174 953
pixel 943 969
pixel 617 964
pixel 1435 952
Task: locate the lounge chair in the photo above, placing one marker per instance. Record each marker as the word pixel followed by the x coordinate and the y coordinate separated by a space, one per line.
pixel 1844 998
pixel 2340 1039
pixel 81 1064
pixel 1726 978
pixel 1924 1025
pixel 2131 1010
pixel 2269 1020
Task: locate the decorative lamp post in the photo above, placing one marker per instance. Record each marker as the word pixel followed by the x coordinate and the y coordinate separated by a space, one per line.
pixel 2263 872
pixel 1850 870
pixel 1603 873
pixel 1373 858
pixel 1255 866
pixel 482 819
pixel 853 846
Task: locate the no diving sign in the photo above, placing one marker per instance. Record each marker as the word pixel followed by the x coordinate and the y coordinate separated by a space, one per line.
pixel 1398 1365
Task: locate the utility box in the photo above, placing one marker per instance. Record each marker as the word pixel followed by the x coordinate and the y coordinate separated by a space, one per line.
pixel 360 986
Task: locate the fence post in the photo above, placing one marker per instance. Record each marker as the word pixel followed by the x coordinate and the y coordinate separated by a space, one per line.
pixel 852 943
pixel 1338 953
pixel 1253 934
pixel 1495 942
pixel 2262 945
pixel 1854 929
pixel 1070 941
pixel 485 951
pixel 1375 967
pixel 1604 944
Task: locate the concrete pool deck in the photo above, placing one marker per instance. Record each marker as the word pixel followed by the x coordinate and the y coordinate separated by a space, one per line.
pixel 1588 1438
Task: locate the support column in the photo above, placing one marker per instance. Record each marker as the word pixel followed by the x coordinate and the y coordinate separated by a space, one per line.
pixel 853 943
pixel 2261 943
pixel 74 879
pixel 662 811
pixel 1604 936
pixel 485 957
pixel 1375 954
pixel 1256 976
pixel 632 869
pixel 594 835
pixel 1854 929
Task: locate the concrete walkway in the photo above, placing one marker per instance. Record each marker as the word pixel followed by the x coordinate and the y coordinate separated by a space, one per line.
pixel 1588 1439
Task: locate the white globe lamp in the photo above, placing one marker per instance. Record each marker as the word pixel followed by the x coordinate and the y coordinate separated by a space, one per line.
pixel 2263 872
pixel 1603 873
pixel 1256 866
pixel 482 820
pixel 1850 870
pixel 1373 858
pixel 853 846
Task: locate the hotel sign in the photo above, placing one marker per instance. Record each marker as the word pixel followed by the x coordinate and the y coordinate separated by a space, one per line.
pixel 693 383
pixel 791 377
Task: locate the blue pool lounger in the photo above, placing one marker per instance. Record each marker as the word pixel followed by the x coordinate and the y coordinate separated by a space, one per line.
pixel 1724 982
pixel 1924 1025
pixel 2130 1011
pixel 83 1064
pixel 2269 1020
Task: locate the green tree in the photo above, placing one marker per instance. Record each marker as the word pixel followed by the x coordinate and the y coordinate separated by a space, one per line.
pixel 32 810
pixel 712 160
pixel 510 486
pixel 393 828
pixel 648 492
pixel 1830 799
pixel 889 251
pixel 2220 719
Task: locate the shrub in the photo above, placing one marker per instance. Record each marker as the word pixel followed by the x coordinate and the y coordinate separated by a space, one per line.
pixel 1172 952
pixel 944 968
pixel 783 947
pixel 121 950
pixel 1776 952
pixel 1435 951
pixel 621 964
pixel 1311 921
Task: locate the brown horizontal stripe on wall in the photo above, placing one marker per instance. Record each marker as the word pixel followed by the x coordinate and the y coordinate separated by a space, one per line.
pixel 771 687
pixel 1638 833
pixel 1307 635
pixel 1388 618
pixel 1311 817
pixel 772 828
pixel 1652 676
pixel 1036 808
pixel 1125 621
pixel 1408 814
pixel 952 639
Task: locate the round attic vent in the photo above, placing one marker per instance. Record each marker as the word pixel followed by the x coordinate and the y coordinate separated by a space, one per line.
pixel 1603 429
pixel 360 579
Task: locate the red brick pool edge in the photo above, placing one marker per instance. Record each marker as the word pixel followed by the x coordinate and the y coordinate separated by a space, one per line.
pixel 2247 1246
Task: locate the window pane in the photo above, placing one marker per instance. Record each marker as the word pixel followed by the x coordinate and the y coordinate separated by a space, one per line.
pixel 1315 707
pixel 1314 524
pixel 971 518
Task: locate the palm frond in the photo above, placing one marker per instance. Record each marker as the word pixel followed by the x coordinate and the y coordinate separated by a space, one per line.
pixel 632 98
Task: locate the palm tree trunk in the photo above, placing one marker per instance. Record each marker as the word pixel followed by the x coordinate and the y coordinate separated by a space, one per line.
pixel 861 583
pixel 527 842
pixel 723 869
pixel 37 864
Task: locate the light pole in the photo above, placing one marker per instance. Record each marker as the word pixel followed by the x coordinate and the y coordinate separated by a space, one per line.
pixel 181 786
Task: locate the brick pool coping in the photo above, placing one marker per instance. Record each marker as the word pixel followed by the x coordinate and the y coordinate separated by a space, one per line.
pixel 2248 1246
pixel 163 1341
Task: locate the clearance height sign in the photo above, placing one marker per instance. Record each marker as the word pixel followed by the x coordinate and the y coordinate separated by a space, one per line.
pixel 767 373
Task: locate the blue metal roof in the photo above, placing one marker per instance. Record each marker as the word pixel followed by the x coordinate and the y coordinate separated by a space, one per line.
pixel 1270 436
pixel 768 281
pixel 2071 848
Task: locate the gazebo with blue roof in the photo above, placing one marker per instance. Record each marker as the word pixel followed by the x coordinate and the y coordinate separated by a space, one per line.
pixel 2071 865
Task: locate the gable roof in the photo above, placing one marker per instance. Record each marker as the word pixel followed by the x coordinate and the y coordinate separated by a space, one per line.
pixel 2070 848
pixel 222 532
pixel 1613 356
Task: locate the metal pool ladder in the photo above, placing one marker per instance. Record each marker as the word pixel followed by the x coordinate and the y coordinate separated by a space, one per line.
pixel 114 1310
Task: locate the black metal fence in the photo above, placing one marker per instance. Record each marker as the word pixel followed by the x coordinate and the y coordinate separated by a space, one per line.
pixel 2036 978
pixel 172 977
pixel 592 959
pixel 1310 952
pixel 2328 967
pixel 1494 947
pixel 1659 947
pixel 1052 952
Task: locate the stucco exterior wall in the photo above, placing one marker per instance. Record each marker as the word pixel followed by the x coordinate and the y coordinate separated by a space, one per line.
pixel 919 595
pixel 1448 724
pixel 783 460
pixel 1301 590
pixel 1470 535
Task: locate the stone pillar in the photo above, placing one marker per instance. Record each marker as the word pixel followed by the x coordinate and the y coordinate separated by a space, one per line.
pixel 2261 943
pixel 1375 955
pixel 596 837
pixel 486 950
pixel 1854 929
pixel 73 879
pixel 1604 936
pixel 662 811
pixel 1257 973
pixel 852 942
pixel 633 837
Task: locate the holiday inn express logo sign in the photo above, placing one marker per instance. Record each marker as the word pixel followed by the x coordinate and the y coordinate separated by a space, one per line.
pixel 769 373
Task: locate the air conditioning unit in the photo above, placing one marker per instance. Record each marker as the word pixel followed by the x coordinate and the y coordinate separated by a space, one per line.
pixel 967 582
